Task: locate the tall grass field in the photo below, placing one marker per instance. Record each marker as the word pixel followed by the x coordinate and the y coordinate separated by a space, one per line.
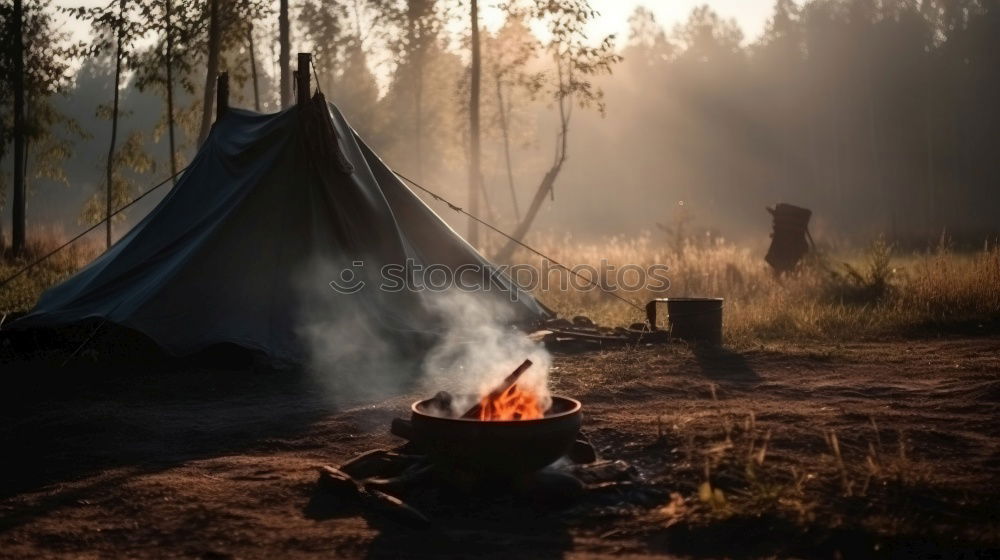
pixel 844 294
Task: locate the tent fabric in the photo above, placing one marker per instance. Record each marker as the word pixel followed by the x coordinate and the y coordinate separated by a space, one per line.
pixel 241 250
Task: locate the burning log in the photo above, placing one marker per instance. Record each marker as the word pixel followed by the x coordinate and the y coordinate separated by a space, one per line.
pixel 495 394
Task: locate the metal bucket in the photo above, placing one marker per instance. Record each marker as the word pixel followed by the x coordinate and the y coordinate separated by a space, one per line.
pixel 695 319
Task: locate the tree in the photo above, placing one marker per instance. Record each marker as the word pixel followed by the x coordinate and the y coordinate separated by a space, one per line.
pixel 17 235
pixel 575 63
pixel 253 66
pixel 507 55
pixel 33 70
pixel 226 37
pixel 647 38
pixel 419 107
pixel 116 27
pixel 475 166
pixel 168 63
pixel 285 55
pixel 130 156
pixel 357 90
pixel 114 118
pixel 321 24
pixel 419 24
pixel 161 67
pixel 214 45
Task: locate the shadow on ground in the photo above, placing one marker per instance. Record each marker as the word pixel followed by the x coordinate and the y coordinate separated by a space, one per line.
pixel 461 525
pixel 62 424
pixel 722 364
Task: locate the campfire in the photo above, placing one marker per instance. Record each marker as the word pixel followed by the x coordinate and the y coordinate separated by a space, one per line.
pixel 508 441
pixel 505 402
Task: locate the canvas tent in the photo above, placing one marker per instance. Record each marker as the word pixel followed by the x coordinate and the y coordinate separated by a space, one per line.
pixel 241 250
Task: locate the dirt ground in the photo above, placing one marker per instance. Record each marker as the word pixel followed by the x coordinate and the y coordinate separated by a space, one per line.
pixel 205 463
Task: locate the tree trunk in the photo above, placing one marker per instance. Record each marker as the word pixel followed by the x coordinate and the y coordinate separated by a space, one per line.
pixel 931 185
pixel 284 56
pixel 475 172
pixel 491 216
pixel 18 210
pixel 109 187
pixel 417 73
pixel 211 70
pixel 536 204
pixel 170 89
pixel 547 186
pixel 418 101
pixel 506 149
pixel 253 67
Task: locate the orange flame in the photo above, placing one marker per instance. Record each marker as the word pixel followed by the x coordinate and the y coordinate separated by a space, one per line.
pixel 512 404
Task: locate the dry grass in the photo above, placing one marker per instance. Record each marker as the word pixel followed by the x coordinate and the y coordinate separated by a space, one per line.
pixel 22 293
pixel 844 294
pixel 848 294
pixel 797 452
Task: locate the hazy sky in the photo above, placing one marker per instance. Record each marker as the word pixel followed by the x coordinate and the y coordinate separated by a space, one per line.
pixel 750 14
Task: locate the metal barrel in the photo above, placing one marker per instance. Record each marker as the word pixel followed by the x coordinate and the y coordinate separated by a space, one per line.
pixel 695 319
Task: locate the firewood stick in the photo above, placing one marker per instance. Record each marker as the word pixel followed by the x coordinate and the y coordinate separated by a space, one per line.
pixel 340 484
pixel 399 484
pixel 508 382
pixel 393 506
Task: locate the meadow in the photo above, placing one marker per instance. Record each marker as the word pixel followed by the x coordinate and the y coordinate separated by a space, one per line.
pixel 836 293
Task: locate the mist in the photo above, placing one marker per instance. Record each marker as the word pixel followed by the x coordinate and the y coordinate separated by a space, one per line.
pixel 880 117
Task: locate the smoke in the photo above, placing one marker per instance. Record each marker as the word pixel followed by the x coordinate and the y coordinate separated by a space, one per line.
pixel 357 353
pixel 478 348
pixel 345 342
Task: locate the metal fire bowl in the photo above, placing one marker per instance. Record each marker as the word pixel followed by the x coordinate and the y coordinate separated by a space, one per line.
pixel 500 449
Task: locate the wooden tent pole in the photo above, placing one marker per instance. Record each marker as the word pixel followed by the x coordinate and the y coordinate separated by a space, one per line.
pixel 302 77
pixel 221 95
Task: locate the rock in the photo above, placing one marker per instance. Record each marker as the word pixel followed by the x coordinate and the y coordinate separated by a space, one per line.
pixel 582 452
pixel 553 489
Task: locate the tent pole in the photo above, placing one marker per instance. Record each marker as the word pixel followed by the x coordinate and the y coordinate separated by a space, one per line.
pixel 221 95
pixel 302 77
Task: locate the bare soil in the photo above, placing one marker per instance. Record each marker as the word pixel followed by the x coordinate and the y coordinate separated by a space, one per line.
pixel 209 463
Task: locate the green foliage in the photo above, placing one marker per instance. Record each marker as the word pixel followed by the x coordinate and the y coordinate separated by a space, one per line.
pixel 130 159
pixel 50 133
pixel 576 60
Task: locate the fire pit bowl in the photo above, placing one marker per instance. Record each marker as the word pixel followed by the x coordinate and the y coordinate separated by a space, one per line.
pixel 497 448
